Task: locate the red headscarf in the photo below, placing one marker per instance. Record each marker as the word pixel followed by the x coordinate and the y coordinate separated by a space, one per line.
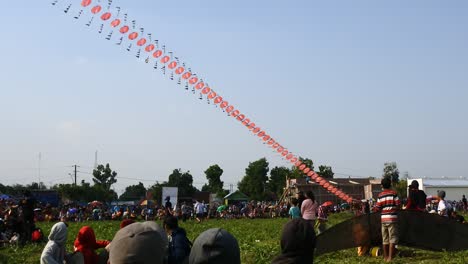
pixel 86 244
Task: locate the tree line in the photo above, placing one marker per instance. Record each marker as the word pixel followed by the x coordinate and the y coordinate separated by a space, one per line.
pixel 258 182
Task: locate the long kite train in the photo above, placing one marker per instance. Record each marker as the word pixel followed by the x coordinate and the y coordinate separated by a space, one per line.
pixel 132 37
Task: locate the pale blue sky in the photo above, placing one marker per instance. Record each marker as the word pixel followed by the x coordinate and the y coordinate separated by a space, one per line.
pixel 351 84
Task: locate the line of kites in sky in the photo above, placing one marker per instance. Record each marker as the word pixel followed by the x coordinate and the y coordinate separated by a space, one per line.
pixel 112 19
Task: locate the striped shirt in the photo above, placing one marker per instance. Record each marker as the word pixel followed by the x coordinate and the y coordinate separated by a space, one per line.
pixel 388 203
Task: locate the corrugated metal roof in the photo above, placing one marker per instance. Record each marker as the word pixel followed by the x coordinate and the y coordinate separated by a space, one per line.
pixel 446 182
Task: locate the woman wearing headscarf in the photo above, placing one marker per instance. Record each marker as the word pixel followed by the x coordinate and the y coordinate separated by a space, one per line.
pixel 297 243
pixel 54 251
pixel 86 244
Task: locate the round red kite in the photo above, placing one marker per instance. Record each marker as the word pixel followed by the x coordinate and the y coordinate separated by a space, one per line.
pixel 96 9
pixel 106 16
pixel 85 3
pixel 165 59
pixel 186 75
pixel 149 48
pixel 218 100
pixel 206 90
pixel 179 70
pixel 212 95
pixel 199 85
pixel 115 22
pixel 172 65
pixel 124 29
pixel 193 80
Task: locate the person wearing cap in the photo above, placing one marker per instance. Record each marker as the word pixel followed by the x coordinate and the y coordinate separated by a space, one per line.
pixel 179 245
pixel 141 243
pixel 215 246
pixel 297 243
pixel 54 251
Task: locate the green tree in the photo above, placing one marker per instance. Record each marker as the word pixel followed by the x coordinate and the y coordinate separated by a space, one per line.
pixel 156 190
pixel 402 189
pixel 133 192
pixel 391 171
pixel 277 180
pixel 296 173
pixel 184 181
pixel 85 192
pixel 104 176
pixel 253 184
pixel 213 175
pixel 325 172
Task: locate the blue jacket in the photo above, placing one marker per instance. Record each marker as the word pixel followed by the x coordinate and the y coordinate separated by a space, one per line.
pixel 179 247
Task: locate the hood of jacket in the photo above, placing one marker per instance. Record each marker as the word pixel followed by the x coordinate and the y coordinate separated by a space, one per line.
pixel 85 238
pixel 58 233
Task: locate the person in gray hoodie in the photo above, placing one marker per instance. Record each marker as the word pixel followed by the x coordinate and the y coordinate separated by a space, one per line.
pixel 54 251
pixel 215 246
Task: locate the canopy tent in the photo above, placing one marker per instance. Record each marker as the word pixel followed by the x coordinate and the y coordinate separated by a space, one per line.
pixel 95 203
pixel 5 197
pixel 147 202
pixel 236 196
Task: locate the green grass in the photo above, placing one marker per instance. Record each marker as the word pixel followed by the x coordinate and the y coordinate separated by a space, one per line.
pixel 258 240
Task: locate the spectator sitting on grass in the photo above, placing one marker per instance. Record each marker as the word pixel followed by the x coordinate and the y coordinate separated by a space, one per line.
pixel 140 243
pixel 86 243
pixel 54 251
pixel 179 245
pixel 215 246
pixel 297 243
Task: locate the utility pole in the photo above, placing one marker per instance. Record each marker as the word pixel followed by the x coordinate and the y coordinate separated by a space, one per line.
pixel 39 170
pixel 75 175
pixel 75 166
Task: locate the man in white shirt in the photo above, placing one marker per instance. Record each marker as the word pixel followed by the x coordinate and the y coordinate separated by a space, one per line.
pixel 443 207
pixel 200 211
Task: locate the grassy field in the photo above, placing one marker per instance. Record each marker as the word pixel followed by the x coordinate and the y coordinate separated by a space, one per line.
pixel 258 240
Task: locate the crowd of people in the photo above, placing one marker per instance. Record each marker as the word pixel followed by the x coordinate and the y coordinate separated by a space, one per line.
pixel 147 242
pixel 139 242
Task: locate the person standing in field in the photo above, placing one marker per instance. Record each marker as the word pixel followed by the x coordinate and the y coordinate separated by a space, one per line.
pixel 389 204
pixel 309 208
pixel 443 207
pixel 200 211
pixel 294 211
pixel 465 203
pixel 168 206
pixel 416 198
pixel 322 218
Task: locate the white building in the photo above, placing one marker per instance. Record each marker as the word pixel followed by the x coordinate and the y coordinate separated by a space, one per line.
pixel 454 187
